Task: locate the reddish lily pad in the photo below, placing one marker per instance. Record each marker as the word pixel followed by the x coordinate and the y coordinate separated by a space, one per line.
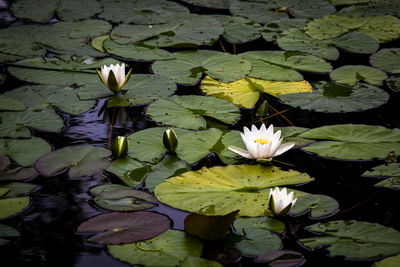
pixel 125 227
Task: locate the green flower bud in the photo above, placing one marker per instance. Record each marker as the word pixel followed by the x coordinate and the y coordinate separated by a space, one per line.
pixel 170 140
pixel 120 147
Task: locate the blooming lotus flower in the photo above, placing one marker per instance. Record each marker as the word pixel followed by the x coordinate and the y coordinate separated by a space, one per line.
pixel 262 144
pixel 114 76
pixel 280 202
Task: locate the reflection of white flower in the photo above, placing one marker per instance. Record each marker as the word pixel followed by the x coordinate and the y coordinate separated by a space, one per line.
pixel 280 202
pixel 261 144
pixel 114 76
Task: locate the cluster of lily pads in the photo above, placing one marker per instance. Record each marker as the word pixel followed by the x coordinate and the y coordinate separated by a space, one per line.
pixel 66 45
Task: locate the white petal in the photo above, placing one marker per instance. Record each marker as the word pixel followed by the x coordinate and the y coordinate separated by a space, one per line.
pixel 270 132
pixel 240 151
pixel 263 129
pixel 274 147
pixel 283 148
pixel 279 205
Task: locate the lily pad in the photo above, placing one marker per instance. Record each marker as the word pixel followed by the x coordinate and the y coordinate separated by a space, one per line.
pixel 372 8
pixel 320 206
pixel 388 262
pixel 351 74
pixel 40 97
pixel 82 160
pixel 246 92
pixel 8 231
pixel 392 169
pixel 12 206
pixel 282 258
pixel 12 172
pixel 189 112
pixel 168 249
pixel 354 239
pixel 393 82
pixel 123 227
pixel 189 66
pixel 392 183
pixel 356 42
pixel 274 28
pixel 59 70
pixel 387 59
pixel 381 28
pixel 130 171
pixel 17 189
pixel 221 190
pixel 24 151
pixel 216 4
pixel 140 52
pixel 196 261
pixel 65 9
pixel 255 11
pixel 265 223
pixel 209 227
pixel 239 30
pixel 291 134
pixel 11 104
pixel 125 200
pixel 332 97
pixel 107 187
pixel 353 141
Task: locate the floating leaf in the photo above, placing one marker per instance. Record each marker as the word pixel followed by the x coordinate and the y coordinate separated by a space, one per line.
pixel 332 97
pixel 371 8
pixel 387 59
pixel 24 151
pixel 291 134
pixel 354 239
pixel 12 206
pixel 209 227
pixel 195 261
pixel 189 111
pixel 130 171
pixel 239 30
pixel 393 82
pixel 82 160
pixel 351 74
pixel 392 183
pixel 388 262
pixel 318 205
pixel 17 189
pixel 216 4
pixel 392 169
pixel 168 249
pixel 381 28
pixel 8 231
pixel 282 258
pixel 108 187
pixel 221 190
pixel 257 12
pixel 265 223
pixel 11 104
pixel 123 227
pixel 353 141
pixel 125 200
pixel 273 29
pixel 246 92
pixel 11 172
pixel 188 66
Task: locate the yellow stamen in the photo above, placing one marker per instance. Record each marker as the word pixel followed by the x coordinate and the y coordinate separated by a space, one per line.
pixel 262 141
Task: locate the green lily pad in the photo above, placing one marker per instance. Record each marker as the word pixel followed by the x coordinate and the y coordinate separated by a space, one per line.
pixel 246 92
pixel 351 74
pixel 140 52
pixel 256 240
pixel 190 261
pixel 265 223
pixel 393 82
pixel 320 206
pixel 347 2
pixel 387 59
pixel 221 190
pixel 168 249
pixel 274 28
pixel 216 4
pixel 388 262
pixel 73 38
pixel 209 227
pixel 40 97
pixel 17 123
pixel 281 258
pixel 12 172
pixel 66 9
pixel 82 160
pixel 11 104
pixel 17 189
pixel 123 227
pixel 372 8
pixel 356 42
pixel 189 112
pixel 392 169
pixel 59 70
pixel 137 12
pixel 130 171
pixel 381 28
pixel 353 141
pixel 167 167
pixel 392 183
pixel 255 11
pixel 12 206
pixel 24 151
pixel 332 97
pixel 125 200
pixel 354 239
pixel 107 187
pixel 188 66
pixel 291 134
pixel 8 231
pixel 239 30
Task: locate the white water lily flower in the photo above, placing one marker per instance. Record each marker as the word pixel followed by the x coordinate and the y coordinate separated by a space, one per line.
pixel 262 144
pixel 114 76
pixel 280 202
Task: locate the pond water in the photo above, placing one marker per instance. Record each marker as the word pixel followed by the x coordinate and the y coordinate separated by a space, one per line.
pixel 59 204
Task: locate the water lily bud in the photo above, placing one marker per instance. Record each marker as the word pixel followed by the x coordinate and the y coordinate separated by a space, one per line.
pixel 263 109
pixel 120 147
pixel 280 202
pixel 170 140
pixel 114 76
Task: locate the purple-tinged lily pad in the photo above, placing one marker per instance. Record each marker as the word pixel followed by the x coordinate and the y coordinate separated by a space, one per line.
pixel 82 160
pixel 125 227
pixel 282 258
pixel 125 200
